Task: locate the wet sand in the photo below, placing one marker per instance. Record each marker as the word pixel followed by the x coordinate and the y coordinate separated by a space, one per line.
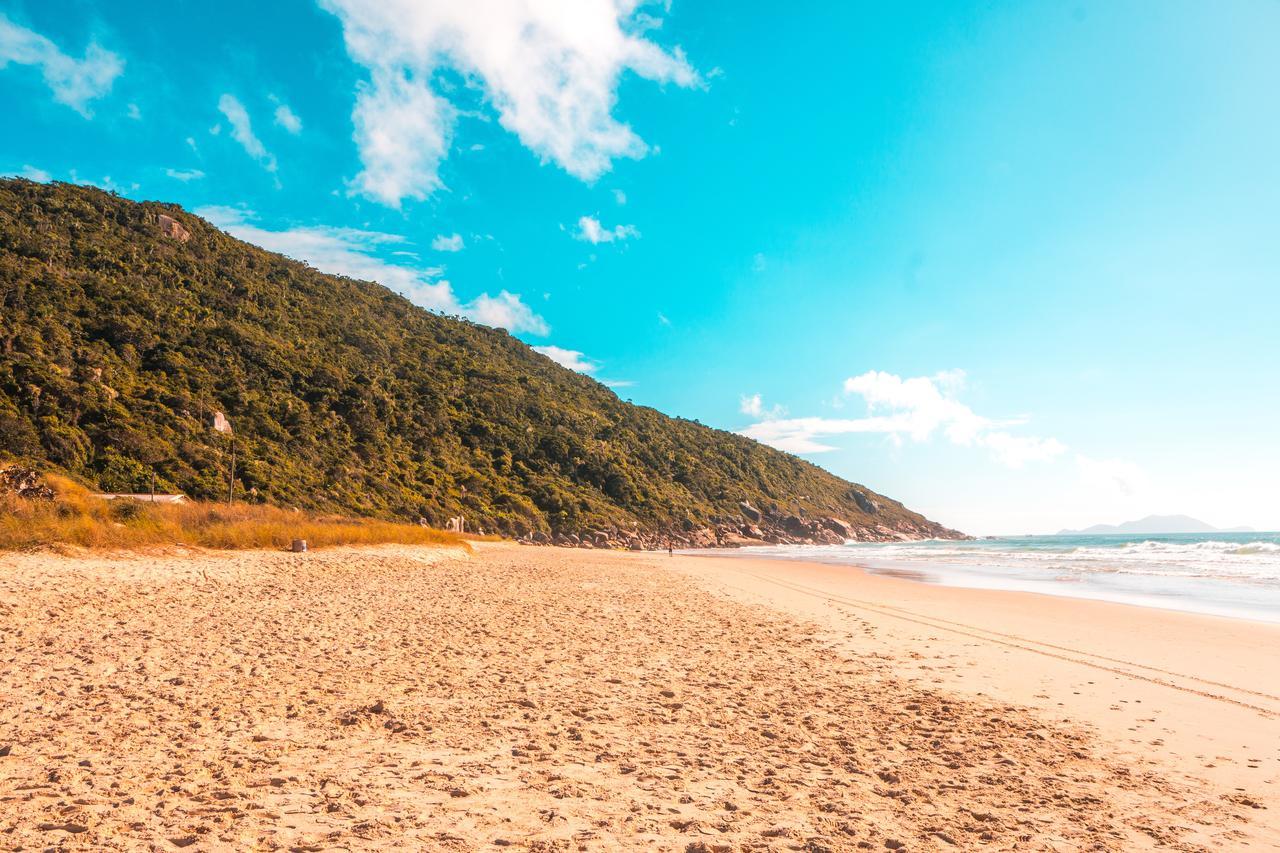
pixel 545 699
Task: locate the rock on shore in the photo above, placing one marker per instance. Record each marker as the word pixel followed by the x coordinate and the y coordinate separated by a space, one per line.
pixel 768 525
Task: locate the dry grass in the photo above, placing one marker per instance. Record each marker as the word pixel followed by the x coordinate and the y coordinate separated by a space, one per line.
pixel 76 517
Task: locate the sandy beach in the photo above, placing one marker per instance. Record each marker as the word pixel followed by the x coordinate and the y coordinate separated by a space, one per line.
pixel 545 699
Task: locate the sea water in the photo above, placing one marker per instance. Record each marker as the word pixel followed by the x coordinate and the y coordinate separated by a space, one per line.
pixel 1224 574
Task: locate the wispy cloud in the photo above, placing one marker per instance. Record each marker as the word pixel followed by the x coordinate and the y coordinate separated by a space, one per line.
pixel 74 82
pixel 591 231
pixel 1113 476
pixel 916 408
pixel 447 243
pixel 288 119
pixel 184 175
pixel 242 131
pixel 579 363
pixel 752 405
pixel 569 358
pixel 550 70
pixel 31 173
pixel 354 253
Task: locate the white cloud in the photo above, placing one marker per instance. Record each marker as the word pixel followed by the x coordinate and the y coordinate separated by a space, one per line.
pixel 753 405
pixel 184 175
pixel 569 358
pixel 1111 476
pixel 916 408
pixel 505 311
pixel 619 196
pixel 74 82
pixel 549 70
pixel 353 253
pixel 1017 450
pixel 242 131
pixel 31 173
pixel 447 243
pixel 288 119
pixel 591 231
pixel 133 112
pixel 403 132
pixel 800 435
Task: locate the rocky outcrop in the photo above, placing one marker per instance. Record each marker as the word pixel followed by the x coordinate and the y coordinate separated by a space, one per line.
pixel 767 526
pixel 173 229
pixel 25 483
pixel 865 503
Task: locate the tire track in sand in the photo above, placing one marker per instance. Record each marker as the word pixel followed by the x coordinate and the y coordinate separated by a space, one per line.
pixel 1063 653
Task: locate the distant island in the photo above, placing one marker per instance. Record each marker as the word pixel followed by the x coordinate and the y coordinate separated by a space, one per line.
pixel 1157 524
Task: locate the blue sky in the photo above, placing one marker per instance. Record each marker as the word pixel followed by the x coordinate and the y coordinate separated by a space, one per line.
pixel 1015 264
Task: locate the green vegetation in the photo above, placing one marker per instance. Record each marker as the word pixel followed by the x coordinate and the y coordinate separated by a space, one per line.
pixel 118 343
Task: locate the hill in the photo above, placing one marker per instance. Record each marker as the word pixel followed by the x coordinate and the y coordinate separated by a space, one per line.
pixel 128 327
pixel 1155 524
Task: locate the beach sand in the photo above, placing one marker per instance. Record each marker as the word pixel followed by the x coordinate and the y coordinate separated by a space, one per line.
pixel 549 699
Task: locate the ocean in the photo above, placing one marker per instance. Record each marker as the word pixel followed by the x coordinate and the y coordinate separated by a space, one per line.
pixel 1223 574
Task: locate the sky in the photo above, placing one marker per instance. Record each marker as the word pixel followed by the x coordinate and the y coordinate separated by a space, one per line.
pixel 1016 265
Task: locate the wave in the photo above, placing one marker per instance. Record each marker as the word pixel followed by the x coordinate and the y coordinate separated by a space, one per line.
pixel 1224 573
pixel 1242 558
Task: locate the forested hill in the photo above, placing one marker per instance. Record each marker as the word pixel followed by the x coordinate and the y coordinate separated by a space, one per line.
pixel 124 326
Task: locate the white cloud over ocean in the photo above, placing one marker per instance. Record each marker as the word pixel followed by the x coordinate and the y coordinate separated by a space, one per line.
pixel 549 70
pixel 916 409
pixel 353 252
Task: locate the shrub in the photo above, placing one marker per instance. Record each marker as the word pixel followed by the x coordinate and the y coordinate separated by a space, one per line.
pixel 76 517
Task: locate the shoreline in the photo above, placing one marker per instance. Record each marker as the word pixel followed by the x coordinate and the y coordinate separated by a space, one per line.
pixel 940 573
pixel 1102 662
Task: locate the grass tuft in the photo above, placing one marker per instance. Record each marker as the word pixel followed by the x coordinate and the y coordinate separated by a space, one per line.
pixel 76 517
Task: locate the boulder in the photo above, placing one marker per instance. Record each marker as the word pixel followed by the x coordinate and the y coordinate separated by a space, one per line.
pixel 793 524
pixel 826 536
pixel 864 503
pixel 839 526
pixel 749 511
pixel 173 229
pixel 24 483
pixel 703 537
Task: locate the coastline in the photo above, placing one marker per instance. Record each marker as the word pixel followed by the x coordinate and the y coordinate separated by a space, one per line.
pixel 537 698
pixel 1224 590
pixel 1207 680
